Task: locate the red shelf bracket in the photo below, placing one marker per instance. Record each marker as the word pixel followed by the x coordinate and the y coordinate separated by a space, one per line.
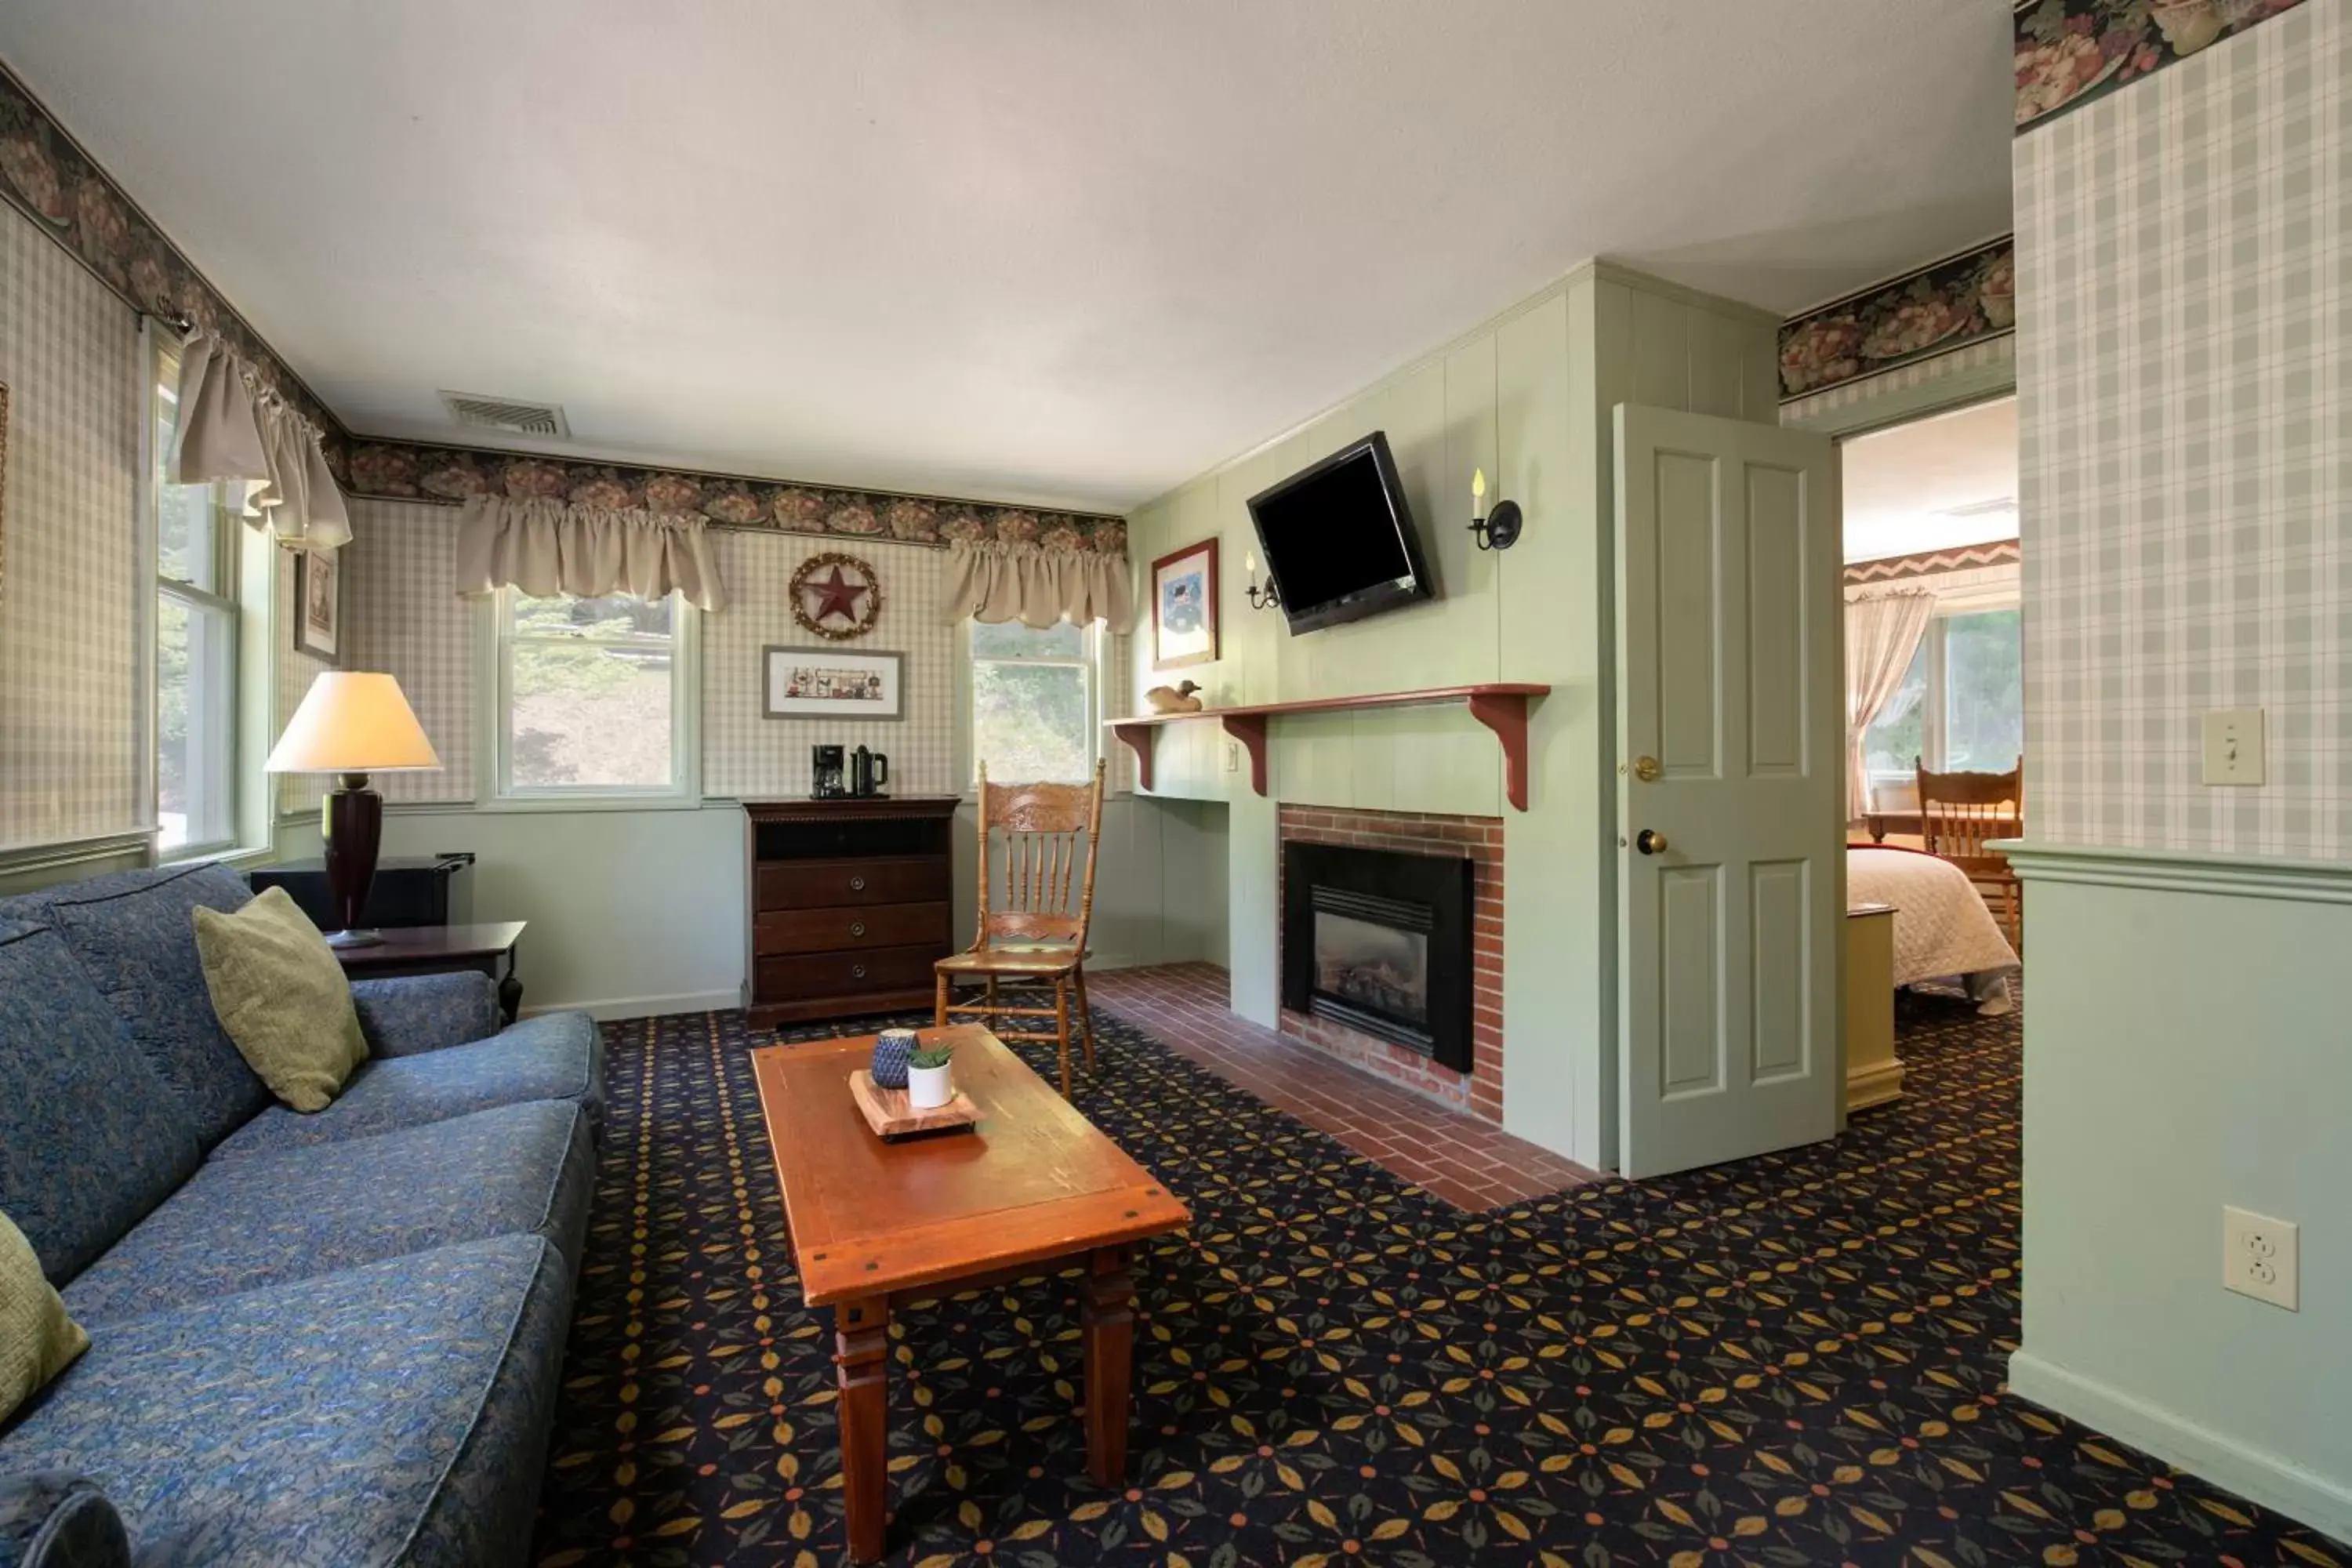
pixel 1507 717
pixel 1139 739
pixel 1249 729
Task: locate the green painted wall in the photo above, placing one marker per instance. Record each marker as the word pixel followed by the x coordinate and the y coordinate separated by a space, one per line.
pixel 1528 398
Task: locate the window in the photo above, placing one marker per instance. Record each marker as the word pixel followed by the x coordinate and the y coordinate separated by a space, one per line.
pixel 1961 706
pixel 595 697
pixel 1033 702
pixel 196 637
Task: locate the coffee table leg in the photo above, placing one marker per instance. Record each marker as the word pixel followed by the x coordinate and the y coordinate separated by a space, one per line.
pixel 861 1349
pixel 1106 1309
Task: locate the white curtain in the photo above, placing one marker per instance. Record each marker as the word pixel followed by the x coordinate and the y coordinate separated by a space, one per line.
pixel 546 547
pixel 996 583
pixel 226 434
pixel 1882 632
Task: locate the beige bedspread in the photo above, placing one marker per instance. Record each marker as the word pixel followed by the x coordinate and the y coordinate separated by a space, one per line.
pixel 1942 928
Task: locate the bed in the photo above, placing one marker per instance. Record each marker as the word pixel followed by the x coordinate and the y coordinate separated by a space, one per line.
pixel 1942 929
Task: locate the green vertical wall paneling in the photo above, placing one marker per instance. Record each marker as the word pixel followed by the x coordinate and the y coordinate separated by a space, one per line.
pixel 1527 398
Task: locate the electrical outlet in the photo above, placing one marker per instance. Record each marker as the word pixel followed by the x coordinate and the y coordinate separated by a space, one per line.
pixel 1233 756
pixel 2233 746
pixel 2258 1259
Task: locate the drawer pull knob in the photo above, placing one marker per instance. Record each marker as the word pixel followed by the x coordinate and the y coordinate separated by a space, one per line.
pixel 858 971
pixel 857 884
pixel 857 928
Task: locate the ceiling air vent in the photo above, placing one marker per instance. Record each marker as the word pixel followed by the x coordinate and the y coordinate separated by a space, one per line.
pixel 508 414
pixel 1998 507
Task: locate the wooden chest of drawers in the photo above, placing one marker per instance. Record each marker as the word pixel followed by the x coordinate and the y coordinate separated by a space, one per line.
pixel 849 905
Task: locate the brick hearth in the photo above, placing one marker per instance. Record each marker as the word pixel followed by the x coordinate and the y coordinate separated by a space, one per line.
pixel 1478 840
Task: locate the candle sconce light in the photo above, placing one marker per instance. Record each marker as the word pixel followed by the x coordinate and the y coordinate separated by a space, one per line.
pixel 1266 598
pixel 1498 528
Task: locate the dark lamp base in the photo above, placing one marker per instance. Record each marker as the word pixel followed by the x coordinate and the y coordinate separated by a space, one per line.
pixel 355 939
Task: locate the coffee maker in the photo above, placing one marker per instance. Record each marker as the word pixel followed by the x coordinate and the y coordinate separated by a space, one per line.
pixel 828 776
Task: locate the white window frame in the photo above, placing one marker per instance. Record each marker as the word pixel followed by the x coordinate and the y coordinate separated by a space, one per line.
pixel 1931 737
pixel 241 718
pixel 494 678
pixel 1096 663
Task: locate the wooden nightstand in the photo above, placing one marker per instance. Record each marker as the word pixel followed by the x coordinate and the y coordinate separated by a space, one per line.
pixel 443 950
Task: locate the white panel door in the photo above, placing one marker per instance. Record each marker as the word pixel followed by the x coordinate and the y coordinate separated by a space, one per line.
pixel 1730 701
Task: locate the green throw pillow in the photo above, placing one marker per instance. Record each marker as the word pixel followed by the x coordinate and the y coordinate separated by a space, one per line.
pixel 38 1341
pixel 282 998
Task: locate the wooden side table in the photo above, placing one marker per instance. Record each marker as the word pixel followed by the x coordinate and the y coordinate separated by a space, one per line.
pixel 443 950
pixel 1873 1073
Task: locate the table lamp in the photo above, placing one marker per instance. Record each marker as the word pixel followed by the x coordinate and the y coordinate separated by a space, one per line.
pixel 353 724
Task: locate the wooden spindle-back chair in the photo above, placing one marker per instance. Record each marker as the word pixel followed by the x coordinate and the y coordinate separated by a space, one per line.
pixel 1959 816
pixel 1037 900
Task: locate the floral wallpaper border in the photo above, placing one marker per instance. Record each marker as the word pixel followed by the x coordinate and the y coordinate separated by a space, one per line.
pixel 2070 52
pixel 1961 299
pixel 1932 563
pixel 404 471
pixel 45 174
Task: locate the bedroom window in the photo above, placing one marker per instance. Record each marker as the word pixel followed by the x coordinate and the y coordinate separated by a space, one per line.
pixel 198 632
pixel 595 699
pixel 1961 706
pixel 1033 705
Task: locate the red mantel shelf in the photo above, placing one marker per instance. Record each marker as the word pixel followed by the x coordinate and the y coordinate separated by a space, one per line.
pixel 1501 706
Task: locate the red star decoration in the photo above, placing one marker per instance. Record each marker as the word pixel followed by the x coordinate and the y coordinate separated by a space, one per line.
pixel 836 596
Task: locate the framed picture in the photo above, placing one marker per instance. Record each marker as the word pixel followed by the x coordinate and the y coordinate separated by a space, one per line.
pixel 831 683
pixel 318 603
pixel 1185 606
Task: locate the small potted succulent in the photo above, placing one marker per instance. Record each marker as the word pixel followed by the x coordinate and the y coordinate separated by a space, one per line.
pixel 929 1086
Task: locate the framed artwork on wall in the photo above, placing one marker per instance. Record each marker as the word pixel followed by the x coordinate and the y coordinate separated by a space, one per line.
pixel 318 603
pixel 1185 606
pixel 831 683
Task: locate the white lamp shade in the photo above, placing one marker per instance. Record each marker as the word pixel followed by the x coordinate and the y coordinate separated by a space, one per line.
pixel 353 722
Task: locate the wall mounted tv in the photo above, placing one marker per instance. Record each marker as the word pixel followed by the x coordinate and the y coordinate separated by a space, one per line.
pixel 1339 538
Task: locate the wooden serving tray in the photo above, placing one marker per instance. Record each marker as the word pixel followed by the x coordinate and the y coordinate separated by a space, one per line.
pixel 887 1112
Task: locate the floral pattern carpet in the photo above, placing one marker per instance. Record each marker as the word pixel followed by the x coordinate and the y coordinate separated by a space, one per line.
pixel 1787 1361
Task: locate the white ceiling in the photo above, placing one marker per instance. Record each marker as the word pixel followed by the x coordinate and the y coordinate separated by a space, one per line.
pixel 1026 250
pixel 1933 484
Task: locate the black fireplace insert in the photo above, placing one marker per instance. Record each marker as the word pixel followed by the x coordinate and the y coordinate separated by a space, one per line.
pixel 1380 942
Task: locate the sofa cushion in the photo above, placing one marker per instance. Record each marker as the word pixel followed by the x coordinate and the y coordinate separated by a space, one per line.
pixel 282 997
pixel 135 935
pixel 411 1012
pixel 265 1219
pixel 554 1057
pixel 91 1139
pixel 37 1340
pixel 396 1413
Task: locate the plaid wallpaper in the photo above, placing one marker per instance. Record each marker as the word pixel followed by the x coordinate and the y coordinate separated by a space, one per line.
pixel 297 793
pixel 749 757
pixel 69 353
pixel 2185 459
pixel 402 615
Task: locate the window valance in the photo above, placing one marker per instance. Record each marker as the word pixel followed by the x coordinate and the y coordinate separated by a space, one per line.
pixel 229 432
pixel 995 581
pixel 545 547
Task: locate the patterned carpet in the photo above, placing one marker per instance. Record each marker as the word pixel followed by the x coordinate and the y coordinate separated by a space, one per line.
pixel 1789 1361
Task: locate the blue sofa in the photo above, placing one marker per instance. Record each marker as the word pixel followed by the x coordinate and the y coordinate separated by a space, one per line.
pixel 314 1339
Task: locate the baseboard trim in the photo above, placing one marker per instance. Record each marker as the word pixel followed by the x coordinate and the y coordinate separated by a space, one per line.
pixel 2252 1473
pixel 2182 871
pixel 616 1008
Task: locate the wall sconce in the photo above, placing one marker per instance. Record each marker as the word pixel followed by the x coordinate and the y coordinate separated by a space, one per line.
pixel 1498 528
pixel 1266 598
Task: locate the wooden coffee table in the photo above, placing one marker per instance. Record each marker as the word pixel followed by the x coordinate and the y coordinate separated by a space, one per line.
pixel 876 1225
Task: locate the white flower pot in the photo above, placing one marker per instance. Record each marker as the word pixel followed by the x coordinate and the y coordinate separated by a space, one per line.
pixel 928 1089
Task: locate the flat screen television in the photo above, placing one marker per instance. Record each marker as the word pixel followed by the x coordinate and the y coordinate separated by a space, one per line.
pixel 1339 538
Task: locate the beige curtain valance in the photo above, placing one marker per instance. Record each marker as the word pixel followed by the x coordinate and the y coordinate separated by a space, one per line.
pixel 546 547
pixel 992 582
pixel 229 433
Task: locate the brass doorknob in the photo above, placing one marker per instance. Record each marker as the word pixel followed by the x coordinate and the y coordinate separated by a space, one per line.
pixel 1650 841
pixel 1646 769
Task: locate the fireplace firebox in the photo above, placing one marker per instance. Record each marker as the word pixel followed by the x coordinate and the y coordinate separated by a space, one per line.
pixel 1382 942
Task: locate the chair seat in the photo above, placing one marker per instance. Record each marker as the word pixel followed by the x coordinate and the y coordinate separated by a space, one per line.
pixel 1036 962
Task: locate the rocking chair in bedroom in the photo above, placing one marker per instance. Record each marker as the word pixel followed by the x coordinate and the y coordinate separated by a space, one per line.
pixel 1959 816
pixel 1035 932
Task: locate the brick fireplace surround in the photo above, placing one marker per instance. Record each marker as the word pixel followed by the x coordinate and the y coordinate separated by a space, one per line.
pixel 1478 840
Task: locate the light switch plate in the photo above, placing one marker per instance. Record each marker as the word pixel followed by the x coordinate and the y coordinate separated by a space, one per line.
pixel 2233 746
pixel 1233 756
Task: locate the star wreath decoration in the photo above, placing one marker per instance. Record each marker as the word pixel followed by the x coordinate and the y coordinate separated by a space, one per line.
pixel 823 599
